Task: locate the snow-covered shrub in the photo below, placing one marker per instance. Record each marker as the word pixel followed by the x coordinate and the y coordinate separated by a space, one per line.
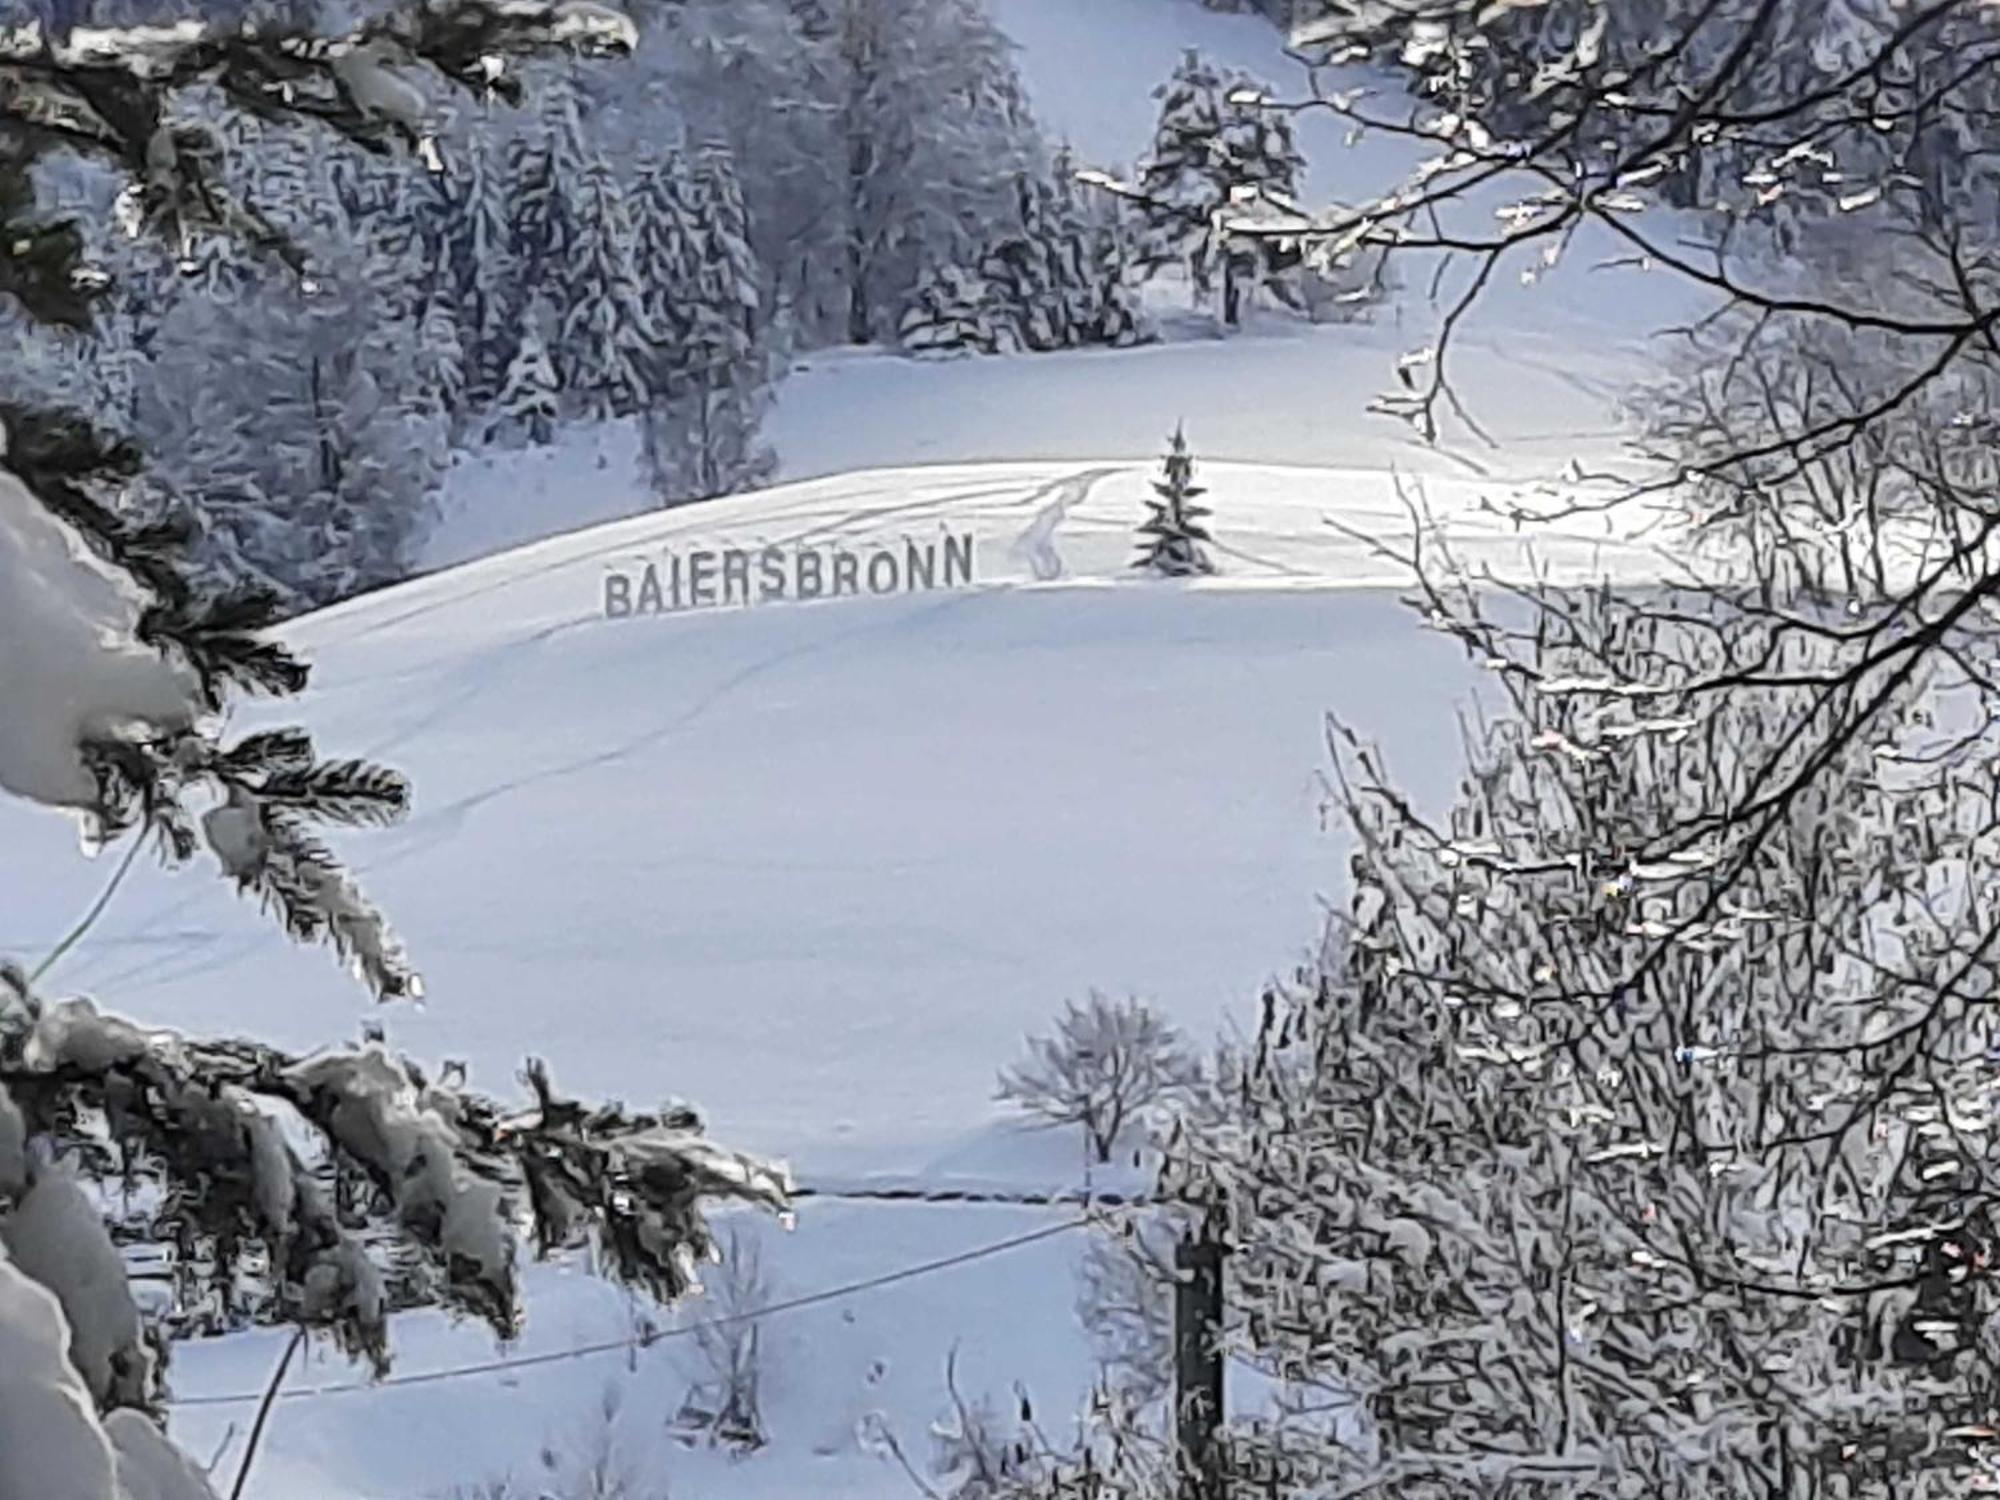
pixel 981 1451
pixel 1107 1065
pixel 724 1404
pixel 985 1450
pixel 1347 290
pixel 1615 1146
pixel 1125 1304
pixel 1050 275
pixel 590 1460
pixel 954 311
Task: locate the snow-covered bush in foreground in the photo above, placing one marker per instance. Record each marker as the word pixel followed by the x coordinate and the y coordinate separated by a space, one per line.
pixel 412 1192
pixel 1625 1143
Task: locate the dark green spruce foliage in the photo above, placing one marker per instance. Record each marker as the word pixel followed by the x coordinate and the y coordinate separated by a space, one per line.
pixel 1173 536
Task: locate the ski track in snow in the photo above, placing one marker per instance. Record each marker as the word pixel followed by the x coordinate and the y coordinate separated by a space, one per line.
pixel 1036 546
pixel 474 680
pixel 426 831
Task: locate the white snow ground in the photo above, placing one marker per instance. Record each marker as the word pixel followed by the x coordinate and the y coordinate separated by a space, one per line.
pixel 818 867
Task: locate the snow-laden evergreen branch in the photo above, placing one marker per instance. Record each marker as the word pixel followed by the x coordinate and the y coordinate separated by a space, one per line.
pixel 323 1191
pixel 413 1191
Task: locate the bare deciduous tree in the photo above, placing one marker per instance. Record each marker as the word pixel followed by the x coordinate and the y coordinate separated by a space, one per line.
pixel 1635 1135
pixel 725 1403
pixel 1108 1063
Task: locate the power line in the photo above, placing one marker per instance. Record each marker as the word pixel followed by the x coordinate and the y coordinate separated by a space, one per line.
pixel 919 1195
pixel 647 1340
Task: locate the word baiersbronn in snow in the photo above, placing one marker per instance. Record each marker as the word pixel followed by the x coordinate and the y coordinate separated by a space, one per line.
pixel 705 578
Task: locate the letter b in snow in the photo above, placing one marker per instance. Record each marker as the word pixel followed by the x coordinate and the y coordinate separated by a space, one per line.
pixel 617 596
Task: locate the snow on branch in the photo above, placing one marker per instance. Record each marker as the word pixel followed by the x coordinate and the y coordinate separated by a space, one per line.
pixel 109 716
pixel 104 92
pixel 412 1191
pixel 1633 1132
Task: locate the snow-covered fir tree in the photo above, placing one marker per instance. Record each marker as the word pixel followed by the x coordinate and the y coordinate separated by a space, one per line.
pixel 666 256
pixel 1036 272
pixel 441 367
pixel 540 161
pixel 466 221
pixel 1216 155
pixel 703 434
pixel 228 374
pixel 602 346
pixel 727 280
pixel 302 455
pixel 529 406
pixel 1173 537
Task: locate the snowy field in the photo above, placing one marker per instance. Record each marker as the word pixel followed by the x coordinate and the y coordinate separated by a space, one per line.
pixel 817 867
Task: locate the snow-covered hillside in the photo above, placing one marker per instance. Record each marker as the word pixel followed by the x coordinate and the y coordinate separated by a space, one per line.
pixel 1546 362
pixel 1275 394
pixel 817 867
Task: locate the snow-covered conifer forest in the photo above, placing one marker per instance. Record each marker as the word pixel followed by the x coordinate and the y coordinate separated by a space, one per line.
pixel 1309 810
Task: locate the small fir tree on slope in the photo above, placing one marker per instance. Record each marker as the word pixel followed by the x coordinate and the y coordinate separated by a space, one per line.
pixel 1173 535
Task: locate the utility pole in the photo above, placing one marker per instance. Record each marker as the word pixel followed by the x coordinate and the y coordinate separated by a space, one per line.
pixel 1198 1394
